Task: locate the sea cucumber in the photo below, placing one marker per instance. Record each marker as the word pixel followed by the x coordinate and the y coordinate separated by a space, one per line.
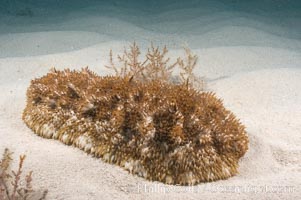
pixel 157 130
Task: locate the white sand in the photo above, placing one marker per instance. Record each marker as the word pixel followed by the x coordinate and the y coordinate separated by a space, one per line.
pixel 260 81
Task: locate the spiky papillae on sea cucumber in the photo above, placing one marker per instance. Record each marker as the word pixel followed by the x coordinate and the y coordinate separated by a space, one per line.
pixel 159 131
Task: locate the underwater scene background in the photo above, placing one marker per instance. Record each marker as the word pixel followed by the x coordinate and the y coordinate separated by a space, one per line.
pixel 248 54
pixel 197 23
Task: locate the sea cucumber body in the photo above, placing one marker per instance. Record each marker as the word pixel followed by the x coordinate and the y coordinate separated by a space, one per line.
pixel 159 131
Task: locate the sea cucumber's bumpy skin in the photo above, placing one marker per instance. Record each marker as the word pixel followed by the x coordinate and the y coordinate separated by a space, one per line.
pixel 159 131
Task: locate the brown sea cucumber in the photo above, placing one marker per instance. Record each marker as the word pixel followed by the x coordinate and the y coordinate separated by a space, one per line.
pixel 158 130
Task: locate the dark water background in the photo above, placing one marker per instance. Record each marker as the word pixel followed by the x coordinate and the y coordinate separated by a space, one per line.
pixel 200 23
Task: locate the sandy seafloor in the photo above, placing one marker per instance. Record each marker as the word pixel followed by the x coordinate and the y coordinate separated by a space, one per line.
pixel 249 53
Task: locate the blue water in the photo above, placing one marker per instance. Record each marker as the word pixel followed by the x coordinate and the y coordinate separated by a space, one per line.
pixel 198 23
